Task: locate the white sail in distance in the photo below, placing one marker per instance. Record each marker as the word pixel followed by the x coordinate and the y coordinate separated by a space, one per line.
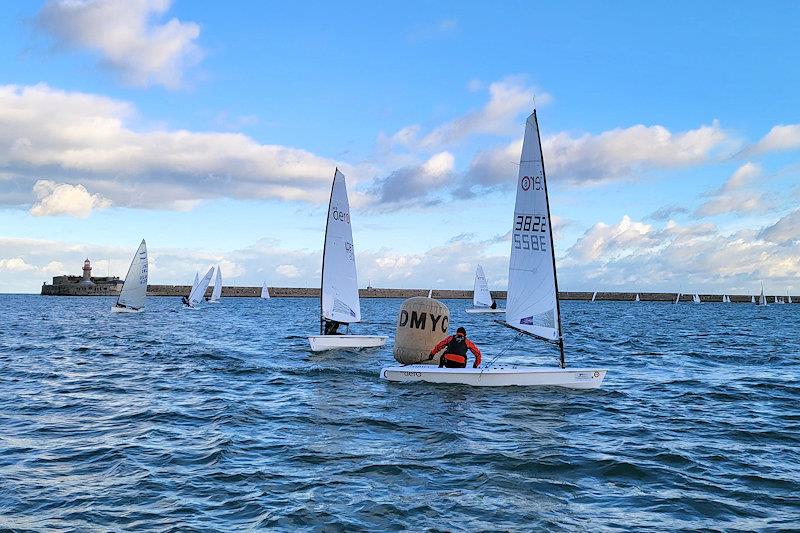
pixel 134 290
pixel 481 297
pixel 532 304
pixel 594 295
pixel 199 290
pixel 217 292
pixel 265 291
pixel 339 300
pixel 195 282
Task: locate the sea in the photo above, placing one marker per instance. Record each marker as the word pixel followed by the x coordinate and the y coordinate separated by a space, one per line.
pixel 221 419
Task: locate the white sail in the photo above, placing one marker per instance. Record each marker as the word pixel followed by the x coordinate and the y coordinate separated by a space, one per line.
pixel 696 298
pixel 195 282
pixel 339 299
pixel 481 297
pixel 752 299
pixel 430 293
pixel 199 290
pixel 762 300
pixel 532 301
pixel 789 298
pixel 678 298
pixel 637 298
pixel 265 291
pixel 134 290
pixel 217 292
pixel 594 295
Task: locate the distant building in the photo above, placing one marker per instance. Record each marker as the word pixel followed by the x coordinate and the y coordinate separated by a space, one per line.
pixel 83 285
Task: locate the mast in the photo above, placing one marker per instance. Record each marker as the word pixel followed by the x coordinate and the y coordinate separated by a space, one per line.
pixel 562 362
pixel 324 246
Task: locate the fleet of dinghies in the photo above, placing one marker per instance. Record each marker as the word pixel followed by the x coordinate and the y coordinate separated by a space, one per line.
pixel 532 305
pixel 339 301
pixel 482 301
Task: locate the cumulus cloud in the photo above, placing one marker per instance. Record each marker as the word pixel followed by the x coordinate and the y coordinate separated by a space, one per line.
pixel 65 199
pixel 416 184
pixel 737 194
pixel 779 138
pixel 784 231
pixel 86 139
pixel 288 271
pixel 666 212
pixel 15 264
pixel 127 36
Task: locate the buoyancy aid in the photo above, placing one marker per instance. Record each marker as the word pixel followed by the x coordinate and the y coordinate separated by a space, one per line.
pixel 455 355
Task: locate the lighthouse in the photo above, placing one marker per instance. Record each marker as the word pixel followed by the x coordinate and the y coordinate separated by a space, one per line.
pixel 87 273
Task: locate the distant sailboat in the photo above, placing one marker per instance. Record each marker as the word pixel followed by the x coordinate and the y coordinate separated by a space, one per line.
pixel 199 290
pixel 594 295
pixel 696 298
pixel 726 299
pixel 788 297
pixel 762 300
pixel 430 293
pixel 134 290
pixel 678 298
pixel 339 302
pixel 532 298
pixel 482 301
pixel 265 291
pixel 217 292
pixel 637 298
pixel 752 299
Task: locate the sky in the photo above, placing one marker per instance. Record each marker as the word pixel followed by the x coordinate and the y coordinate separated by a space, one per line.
pixel 671 138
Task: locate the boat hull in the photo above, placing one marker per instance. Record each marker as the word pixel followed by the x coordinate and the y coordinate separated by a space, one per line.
pixel 116 309
pixel 481 310
pixel 320 343
pixel 499 376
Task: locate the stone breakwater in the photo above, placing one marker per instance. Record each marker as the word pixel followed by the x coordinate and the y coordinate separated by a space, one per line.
pixel 444 294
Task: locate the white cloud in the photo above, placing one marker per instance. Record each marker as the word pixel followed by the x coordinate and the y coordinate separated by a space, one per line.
pixel 779 138
pixel 737 194
pixel 784 231
pixel 127 37
pixel 416 184
pixel 288 271
pixel 74 138
pixel 15 264
pixel 65 199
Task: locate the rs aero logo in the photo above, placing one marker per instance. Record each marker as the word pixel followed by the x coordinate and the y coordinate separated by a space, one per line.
pixel 340 215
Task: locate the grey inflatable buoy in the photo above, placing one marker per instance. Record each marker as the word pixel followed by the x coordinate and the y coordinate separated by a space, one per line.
pixel 421 324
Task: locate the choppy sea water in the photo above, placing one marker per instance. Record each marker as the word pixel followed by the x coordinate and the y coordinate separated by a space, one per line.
pixel 222 419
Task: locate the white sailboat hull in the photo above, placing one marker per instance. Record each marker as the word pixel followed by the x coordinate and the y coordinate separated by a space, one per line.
pixel 479 310
pixel 116 309
pixel 499 376
pixel 320 343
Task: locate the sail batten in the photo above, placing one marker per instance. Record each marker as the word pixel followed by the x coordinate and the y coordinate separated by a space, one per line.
pixel 532 304
pixel 339 296
pixel 134 290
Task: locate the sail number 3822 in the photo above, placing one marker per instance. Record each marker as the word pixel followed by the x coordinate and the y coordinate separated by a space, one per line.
pixel 529 232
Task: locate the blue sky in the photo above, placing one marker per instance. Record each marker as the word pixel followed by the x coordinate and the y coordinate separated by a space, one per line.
pixel 671 136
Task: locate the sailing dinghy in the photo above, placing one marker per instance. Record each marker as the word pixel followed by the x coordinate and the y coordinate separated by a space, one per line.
pixel 134 290
pixel 762 300
pixel 696 298
pixel 264 292
pixel 481 297
pixel 594 295
pixel 199 290
pixel 637 298
pixel 339 303
pixel 216 294
pixel 532 301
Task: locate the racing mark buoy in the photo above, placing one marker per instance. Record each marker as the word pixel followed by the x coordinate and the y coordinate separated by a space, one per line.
pixel 421 324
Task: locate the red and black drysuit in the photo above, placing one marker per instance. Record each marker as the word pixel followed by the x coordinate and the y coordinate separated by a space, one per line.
pixel 455 353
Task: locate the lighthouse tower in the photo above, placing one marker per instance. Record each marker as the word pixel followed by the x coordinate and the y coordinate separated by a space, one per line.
pixel 87 273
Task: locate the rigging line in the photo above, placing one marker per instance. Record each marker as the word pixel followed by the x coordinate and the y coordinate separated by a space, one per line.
pixel 513 341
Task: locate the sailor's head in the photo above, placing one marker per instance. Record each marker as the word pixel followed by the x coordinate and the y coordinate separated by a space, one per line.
pixel 461 332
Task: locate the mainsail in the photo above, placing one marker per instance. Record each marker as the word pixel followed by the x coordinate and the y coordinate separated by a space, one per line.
pixel 532 304
pixel 339 299
pixel 195 282
pixel 265 291
pixel 134 289
pixel 217 292
pixel 481 297
pixel 594 295
pixel 199 290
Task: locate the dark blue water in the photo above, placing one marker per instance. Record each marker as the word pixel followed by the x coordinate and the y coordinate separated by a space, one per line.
pixel 221 419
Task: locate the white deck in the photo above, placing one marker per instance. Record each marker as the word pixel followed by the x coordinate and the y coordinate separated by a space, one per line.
pixel 478 310
pixel 321 343
pixel 116 309
pixel 499 376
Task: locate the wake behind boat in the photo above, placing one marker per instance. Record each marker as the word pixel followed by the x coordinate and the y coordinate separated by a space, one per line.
pixel 482 301
pixel 134 290
pixel 532 300
pixel 339 302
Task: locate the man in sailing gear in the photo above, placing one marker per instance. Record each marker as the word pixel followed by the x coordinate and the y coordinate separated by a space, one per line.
pixel 494 304
pixel 455 353
pixel 185 300
pixel 331 327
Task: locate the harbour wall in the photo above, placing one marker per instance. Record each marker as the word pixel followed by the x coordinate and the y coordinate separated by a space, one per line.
pixel 306 292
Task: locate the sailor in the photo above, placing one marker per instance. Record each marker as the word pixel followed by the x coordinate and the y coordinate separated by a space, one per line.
pixel 455 353
pixel 331 327
pixel 494 304
pixel 185 300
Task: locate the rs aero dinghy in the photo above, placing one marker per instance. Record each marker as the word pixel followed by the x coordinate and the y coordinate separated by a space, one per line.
pixel 481 297
pixel 134 290
pixel 532 304
pixel 339 302
pixel 198 291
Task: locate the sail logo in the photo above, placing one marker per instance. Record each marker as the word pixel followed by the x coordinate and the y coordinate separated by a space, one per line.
pixel 342 216
pixel 526 182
